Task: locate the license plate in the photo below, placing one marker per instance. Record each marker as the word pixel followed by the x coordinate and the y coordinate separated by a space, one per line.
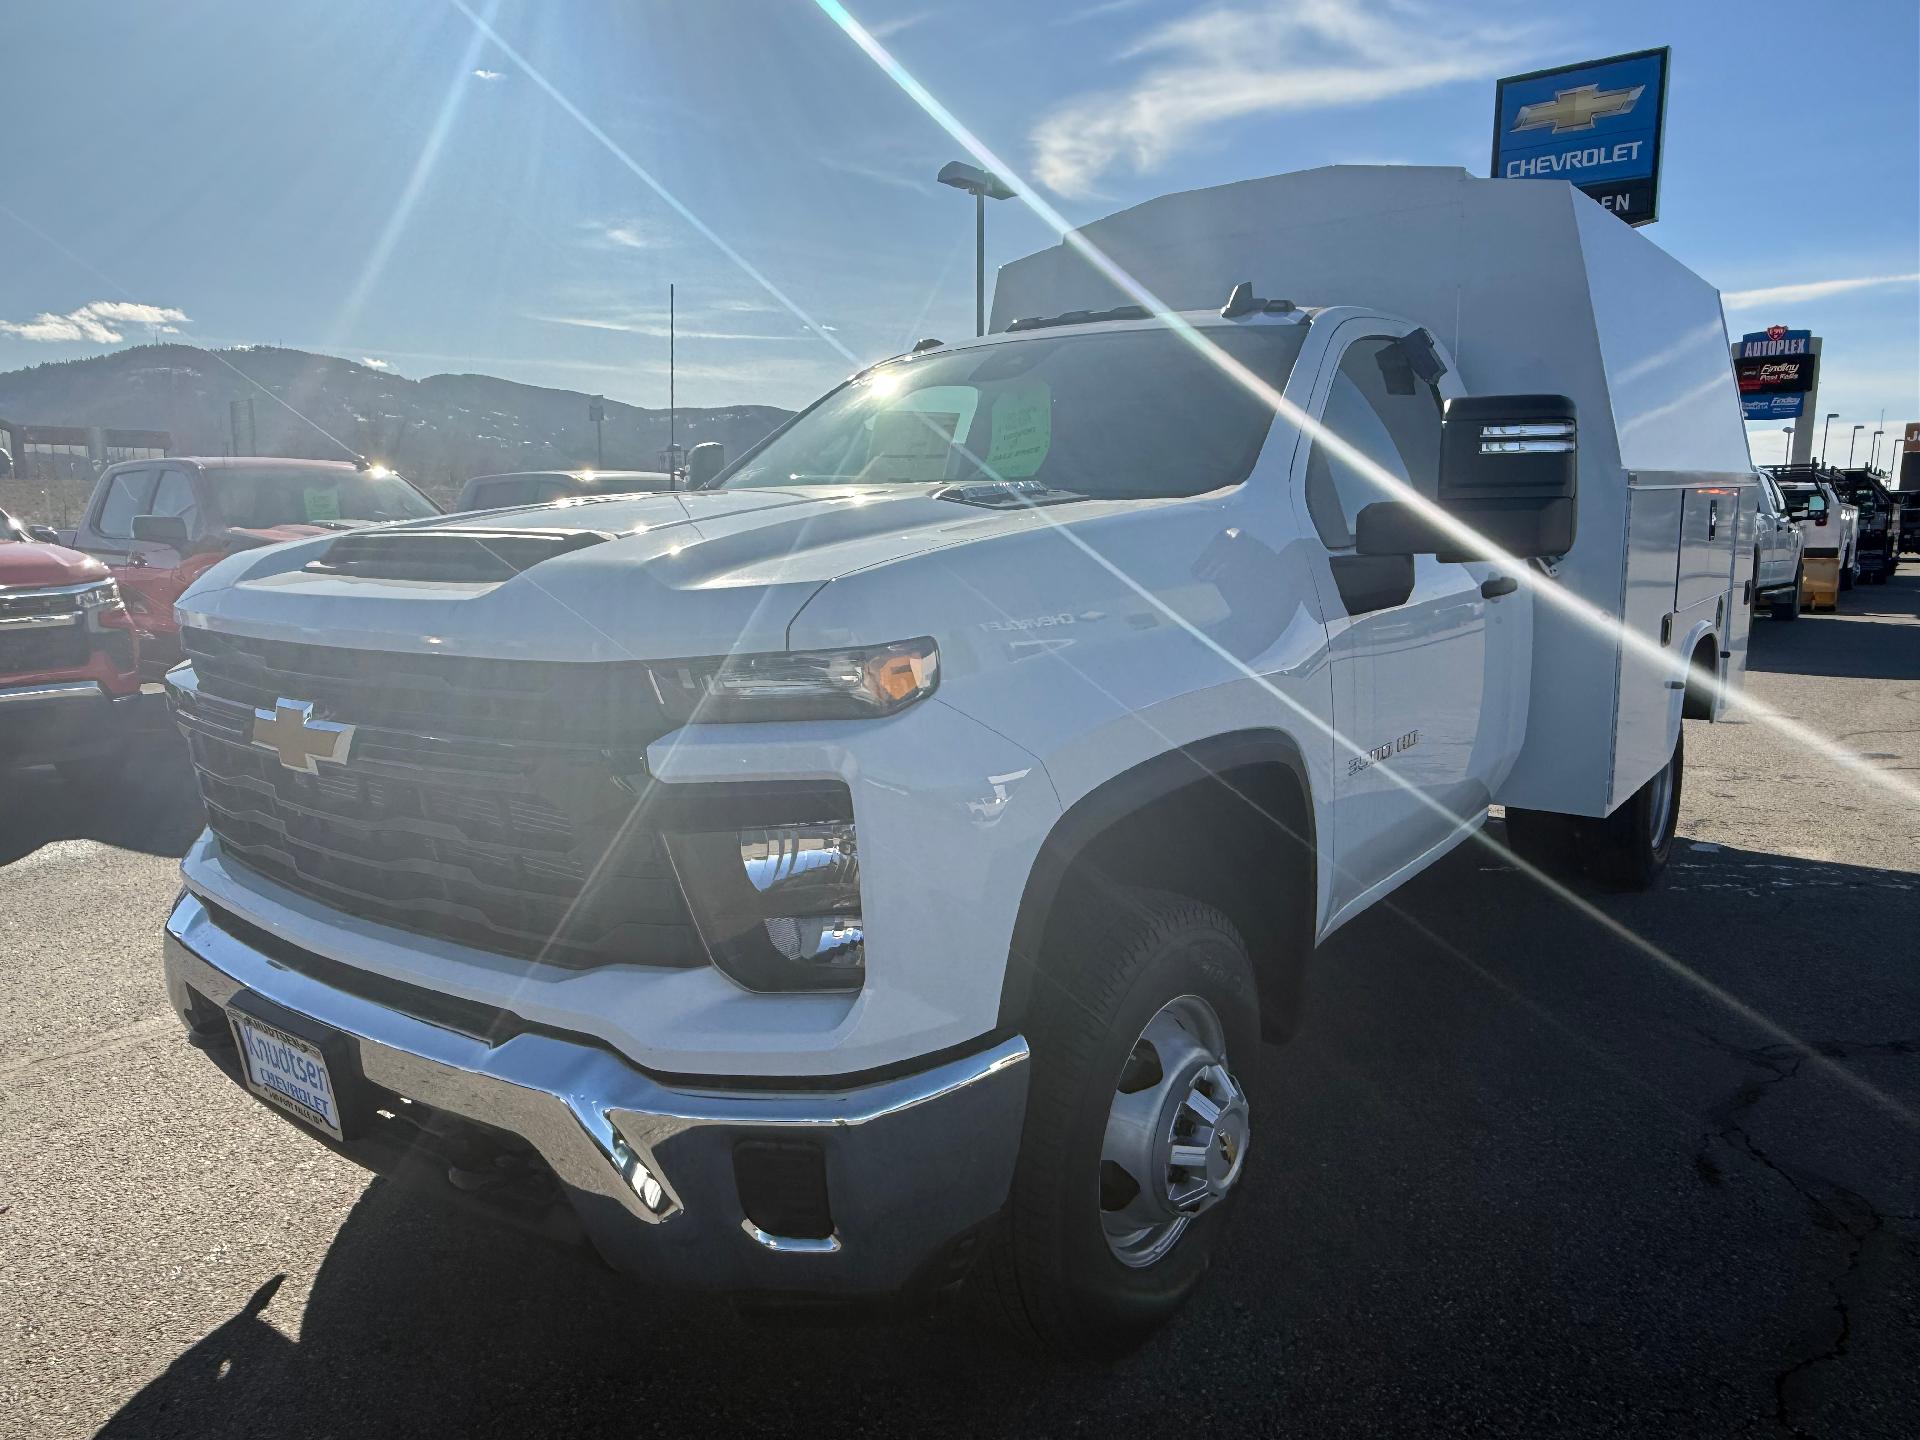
pixel 287 1071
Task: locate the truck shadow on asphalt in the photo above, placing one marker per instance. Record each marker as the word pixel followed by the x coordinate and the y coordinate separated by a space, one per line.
pixel 1877 638
pixel 1518 1173
pixel 154 809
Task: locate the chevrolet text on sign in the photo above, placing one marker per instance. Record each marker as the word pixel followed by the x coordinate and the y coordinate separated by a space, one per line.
pixel 1596 124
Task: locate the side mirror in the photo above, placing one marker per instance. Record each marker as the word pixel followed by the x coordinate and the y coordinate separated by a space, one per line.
pixel 1398 527
pixel 1509 469
pixel 169 530
pixel 704 462
pixel 45 534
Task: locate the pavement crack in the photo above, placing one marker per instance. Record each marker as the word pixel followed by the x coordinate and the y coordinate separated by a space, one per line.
pixel 1832 1206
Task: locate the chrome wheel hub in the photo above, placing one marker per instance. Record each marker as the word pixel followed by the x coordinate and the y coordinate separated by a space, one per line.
pixel 1176 1136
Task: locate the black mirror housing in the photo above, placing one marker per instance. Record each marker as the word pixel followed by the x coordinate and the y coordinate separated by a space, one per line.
pixel 170 530
pixel 1509 469
pixel 45 534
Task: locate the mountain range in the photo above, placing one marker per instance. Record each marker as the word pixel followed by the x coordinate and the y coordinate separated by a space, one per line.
pixel 436 431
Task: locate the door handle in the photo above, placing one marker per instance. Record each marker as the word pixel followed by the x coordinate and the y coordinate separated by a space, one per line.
pixel 1494 586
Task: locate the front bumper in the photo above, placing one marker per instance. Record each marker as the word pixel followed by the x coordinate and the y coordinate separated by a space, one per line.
pixel 649 1173
pixel 61 720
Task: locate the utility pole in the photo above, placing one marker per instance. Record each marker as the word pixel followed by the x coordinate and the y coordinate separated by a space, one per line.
pixel 597 412
pixel 673 416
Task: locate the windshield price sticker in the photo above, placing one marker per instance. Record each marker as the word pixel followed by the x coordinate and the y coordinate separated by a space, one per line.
pixel 322 503
pixel 1022 431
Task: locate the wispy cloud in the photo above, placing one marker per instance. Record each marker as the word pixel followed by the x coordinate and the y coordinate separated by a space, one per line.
pixel 373 364
pixel 489 75
pixel 655 327
pixel 98 321
pixel 1809 290
pixel 1094 12
pixel 636 234
pixel 901 179
pixel 893 25
pixel 1230 62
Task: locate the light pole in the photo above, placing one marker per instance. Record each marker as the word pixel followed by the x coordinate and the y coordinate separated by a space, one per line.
pixel 1823 435
pixel 1787 430
pixel 1874 454
pixel 1855 440
pixel 983 185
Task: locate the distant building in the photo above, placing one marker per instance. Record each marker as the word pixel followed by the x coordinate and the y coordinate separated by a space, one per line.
pixel 75 452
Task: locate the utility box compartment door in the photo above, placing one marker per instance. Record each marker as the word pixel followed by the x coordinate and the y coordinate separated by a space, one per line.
pixel 1709 524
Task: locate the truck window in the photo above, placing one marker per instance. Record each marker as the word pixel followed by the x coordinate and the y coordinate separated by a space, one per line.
pixel 128 494
pixel 175 496
pixel 1121 414
pixel 1377 406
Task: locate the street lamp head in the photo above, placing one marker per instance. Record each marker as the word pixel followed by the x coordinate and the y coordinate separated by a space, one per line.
pixel 974 181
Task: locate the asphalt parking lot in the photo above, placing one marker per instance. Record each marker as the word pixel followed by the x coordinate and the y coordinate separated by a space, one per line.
pixel 1522 1174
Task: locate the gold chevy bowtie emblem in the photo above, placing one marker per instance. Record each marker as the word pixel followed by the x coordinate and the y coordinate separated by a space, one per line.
pixel 291 732
pixel 1576 109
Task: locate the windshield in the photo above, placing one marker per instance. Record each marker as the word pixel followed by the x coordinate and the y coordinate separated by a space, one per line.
pixel 1121 414
pixel 1797 498
pixel 258 497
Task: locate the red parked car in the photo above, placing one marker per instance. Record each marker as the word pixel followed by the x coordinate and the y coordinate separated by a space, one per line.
pixel 69 661
pixel 161 523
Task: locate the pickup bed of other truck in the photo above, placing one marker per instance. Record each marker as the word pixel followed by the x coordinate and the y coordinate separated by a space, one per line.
pixel 69 679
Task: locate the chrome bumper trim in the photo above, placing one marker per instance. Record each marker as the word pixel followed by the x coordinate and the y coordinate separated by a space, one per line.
pixel 58 690
pixel 915 1160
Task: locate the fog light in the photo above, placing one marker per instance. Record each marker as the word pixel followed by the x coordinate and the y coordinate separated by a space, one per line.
pixel 778 906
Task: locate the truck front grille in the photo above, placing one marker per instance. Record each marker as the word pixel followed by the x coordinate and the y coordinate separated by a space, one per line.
pixel 27 649
pixel 507 841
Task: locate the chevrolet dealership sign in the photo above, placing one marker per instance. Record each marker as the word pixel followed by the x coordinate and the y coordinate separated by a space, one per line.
pixel 1597 124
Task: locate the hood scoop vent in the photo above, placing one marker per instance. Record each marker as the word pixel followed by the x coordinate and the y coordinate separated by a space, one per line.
pixel 450 556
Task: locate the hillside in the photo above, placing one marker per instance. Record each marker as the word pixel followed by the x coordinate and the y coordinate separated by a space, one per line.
pixel 436 431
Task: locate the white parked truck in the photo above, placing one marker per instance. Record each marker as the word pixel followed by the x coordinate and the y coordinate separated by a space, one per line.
pixel 877 867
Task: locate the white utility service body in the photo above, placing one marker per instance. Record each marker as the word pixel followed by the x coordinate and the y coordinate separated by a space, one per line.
pixel 1088 647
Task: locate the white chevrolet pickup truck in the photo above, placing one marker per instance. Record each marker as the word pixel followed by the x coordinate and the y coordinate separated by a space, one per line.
pixel 877 867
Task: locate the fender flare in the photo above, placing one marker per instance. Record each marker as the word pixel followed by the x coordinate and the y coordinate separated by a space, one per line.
pixel 1111 801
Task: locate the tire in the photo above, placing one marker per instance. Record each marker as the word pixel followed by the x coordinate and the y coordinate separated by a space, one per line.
pixel 1849 572
pixel 1787 606
pixel 1135 980
pixel 1631 846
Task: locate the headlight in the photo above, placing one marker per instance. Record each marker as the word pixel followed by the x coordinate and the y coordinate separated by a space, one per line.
pixel 802 684
pixel 778 906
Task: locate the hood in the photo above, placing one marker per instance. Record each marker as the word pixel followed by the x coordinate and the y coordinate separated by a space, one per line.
pixel 40 565
pixel 668 575
pixel 243 537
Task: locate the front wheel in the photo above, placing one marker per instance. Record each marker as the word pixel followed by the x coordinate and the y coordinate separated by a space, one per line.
pixel 1849 572
pixel 1632 844
pixel 1137 1124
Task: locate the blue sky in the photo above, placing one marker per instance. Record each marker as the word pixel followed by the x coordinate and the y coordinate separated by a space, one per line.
pixel 380 179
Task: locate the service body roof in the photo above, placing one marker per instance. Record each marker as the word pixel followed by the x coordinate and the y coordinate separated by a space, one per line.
pixel 1529 284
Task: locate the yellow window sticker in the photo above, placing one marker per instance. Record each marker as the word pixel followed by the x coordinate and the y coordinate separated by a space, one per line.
pixel 323 503
pixel 1022 431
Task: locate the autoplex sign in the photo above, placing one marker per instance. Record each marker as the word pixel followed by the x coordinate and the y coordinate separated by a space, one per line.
pixel 1597 124
pixel 1776 368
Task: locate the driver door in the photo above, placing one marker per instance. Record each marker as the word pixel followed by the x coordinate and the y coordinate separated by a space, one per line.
pixel 1424 679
